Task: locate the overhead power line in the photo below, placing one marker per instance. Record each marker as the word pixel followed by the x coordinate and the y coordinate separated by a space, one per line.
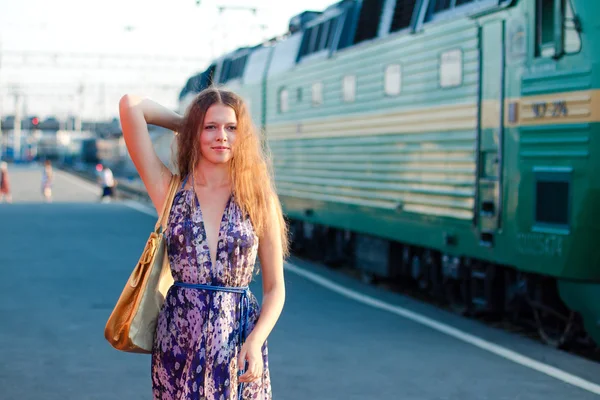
pixel 67 60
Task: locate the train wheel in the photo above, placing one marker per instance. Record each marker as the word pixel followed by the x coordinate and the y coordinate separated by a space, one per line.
pixel 458 295
pixel 556 324
pixel 555 329
pixel 368 277
pixel 433 272
pixel 418 273
pixel 457 284
pixel 296 237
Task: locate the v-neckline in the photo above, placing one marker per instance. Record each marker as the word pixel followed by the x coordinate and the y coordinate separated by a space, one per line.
pixel 203 226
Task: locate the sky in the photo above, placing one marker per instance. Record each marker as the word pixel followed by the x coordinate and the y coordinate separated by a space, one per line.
pixel 80 56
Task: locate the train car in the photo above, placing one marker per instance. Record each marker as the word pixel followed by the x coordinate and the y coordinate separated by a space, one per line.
pixel 449 141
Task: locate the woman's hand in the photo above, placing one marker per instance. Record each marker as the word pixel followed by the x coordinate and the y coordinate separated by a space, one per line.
pixel 251 352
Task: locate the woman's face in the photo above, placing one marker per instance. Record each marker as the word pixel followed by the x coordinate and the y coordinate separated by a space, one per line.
pixel 218 134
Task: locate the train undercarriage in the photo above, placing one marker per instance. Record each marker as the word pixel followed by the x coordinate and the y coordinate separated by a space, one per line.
pixel 467 286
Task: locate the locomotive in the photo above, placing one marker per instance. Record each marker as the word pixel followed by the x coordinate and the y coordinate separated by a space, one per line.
pixel 446 141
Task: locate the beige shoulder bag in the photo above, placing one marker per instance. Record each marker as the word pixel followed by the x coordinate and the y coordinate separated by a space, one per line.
pixel 132 324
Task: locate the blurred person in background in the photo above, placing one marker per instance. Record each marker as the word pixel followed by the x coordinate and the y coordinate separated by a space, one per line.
pixel 47 180
pixel 4 183
pixel 107 182
pixel 211 336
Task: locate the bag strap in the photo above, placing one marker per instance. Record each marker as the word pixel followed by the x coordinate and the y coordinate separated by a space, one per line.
pixel 164 216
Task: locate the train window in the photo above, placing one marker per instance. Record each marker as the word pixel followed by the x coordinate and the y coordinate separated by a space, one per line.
pixel 442 5
pixel 225 70
pixel 319 37
pixel 331 33
pixel 545 28
pixel 315 44
pixel 349 88
pixel 299 95
pixel 233 68
pixel 304 46
pixel 368 20
pixel 451 68
pixel 393 80
pixel 552 198
pixel 402 14
pixel 572 29
pixel 547 42
pixel 210 72
pixel 317 94
pixel 325 34
pixel 283 100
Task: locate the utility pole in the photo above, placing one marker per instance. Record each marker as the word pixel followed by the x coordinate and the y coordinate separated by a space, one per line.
pixel 102 101
pixel 78 122
pixel 17 128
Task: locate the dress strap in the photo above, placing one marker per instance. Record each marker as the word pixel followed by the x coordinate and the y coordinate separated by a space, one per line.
pixel 184 182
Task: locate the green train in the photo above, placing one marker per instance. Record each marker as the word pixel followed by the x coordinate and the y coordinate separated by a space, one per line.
pixel 446 141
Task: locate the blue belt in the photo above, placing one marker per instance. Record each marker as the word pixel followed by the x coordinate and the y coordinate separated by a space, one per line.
pixel 244 305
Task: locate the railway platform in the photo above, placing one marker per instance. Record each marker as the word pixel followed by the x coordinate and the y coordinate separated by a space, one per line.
pixel 65 263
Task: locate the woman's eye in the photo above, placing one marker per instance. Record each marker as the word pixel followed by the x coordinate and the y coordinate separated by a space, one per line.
pixel 209 127
pixel 232 128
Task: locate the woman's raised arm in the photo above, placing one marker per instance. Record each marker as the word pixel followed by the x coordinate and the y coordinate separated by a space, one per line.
pixel 136 113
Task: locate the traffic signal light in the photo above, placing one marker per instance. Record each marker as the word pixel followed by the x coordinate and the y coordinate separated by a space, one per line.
pixel 35 121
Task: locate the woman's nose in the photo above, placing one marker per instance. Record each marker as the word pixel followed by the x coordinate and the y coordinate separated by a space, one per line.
pixel 222 134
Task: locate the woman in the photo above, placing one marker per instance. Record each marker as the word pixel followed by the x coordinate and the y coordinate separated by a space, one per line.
pixel 47 179
pixel 4 183
pixel 224 214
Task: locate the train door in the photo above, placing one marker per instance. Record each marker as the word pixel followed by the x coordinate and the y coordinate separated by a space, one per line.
pixel 488 196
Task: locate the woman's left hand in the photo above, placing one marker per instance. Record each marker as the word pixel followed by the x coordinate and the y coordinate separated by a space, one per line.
pixel 250 352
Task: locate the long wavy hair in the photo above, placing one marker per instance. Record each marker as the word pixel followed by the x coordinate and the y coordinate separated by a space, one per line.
pixel 250 169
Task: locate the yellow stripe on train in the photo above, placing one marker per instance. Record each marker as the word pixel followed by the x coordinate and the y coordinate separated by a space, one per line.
pixel 557 108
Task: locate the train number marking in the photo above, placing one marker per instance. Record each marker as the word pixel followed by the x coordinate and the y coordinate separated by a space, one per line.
pixel 550 109
pixel 539 244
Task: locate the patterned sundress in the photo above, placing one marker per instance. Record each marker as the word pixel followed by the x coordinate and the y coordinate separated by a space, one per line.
pixel 197 335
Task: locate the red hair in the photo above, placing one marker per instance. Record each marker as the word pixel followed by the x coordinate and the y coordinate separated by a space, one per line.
pixel 250 168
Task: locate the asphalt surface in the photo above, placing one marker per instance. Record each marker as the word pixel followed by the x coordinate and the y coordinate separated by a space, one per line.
pixel 64 264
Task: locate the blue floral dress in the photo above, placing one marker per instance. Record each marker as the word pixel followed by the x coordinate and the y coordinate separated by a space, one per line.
pixel 197 343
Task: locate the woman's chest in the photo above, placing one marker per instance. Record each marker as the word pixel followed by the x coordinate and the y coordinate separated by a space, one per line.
pixel 229 233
